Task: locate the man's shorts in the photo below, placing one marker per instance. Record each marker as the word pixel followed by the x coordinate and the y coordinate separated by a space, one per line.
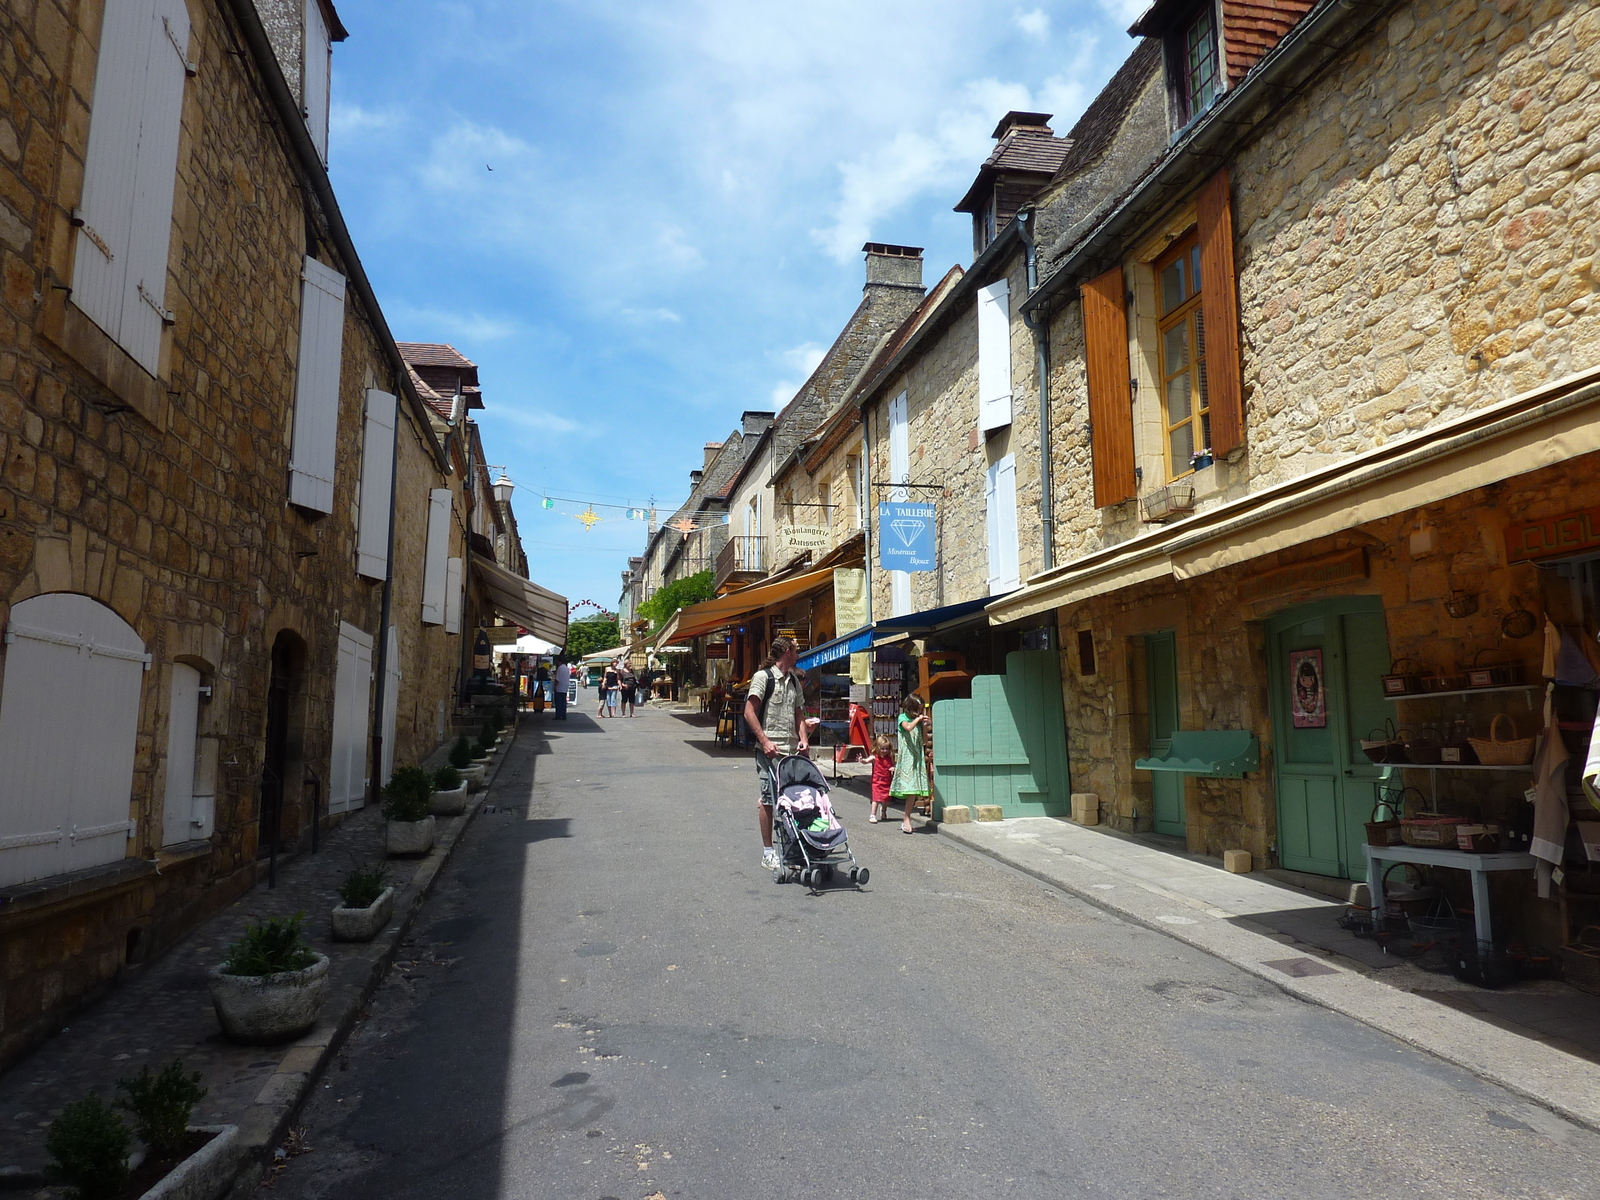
pixel 764 770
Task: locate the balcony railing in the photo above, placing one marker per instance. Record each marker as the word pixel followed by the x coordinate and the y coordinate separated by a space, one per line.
pixel 741 560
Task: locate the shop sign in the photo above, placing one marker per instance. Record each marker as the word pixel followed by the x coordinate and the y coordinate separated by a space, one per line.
pixel 503 635
pixel 905 537
pixel 1570 534
pixel 1348 564
pixel 716 649
pixel 805 537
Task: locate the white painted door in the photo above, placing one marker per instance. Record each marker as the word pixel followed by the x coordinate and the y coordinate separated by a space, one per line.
pixel 352 701
pixel 183 727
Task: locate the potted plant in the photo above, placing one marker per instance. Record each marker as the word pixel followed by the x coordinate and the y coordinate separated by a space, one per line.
pixel 88 1145
pixel 449 793
pixel 271 986
pixel 179 1159
pixel 405 805
pixel 366 902
pixel 461 759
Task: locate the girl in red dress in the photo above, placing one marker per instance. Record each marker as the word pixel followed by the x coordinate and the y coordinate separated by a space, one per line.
pixel 882 773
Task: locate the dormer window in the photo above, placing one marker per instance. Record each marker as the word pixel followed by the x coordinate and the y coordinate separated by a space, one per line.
pixel 1201 81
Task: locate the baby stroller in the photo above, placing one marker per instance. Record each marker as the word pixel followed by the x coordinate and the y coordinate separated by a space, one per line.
pixel 808 838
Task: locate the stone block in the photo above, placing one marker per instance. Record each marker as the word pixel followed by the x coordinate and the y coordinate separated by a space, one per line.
pixel 991 812
pixel 1086 808
pixel 1236 862
pixel 957 814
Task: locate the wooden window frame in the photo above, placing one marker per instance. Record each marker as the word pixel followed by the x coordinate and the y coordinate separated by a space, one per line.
pixel 1188 311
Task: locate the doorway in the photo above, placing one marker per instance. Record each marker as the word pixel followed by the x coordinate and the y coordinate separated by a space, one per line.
pixel 1324 670
pixel 1166 787
pixel 280 767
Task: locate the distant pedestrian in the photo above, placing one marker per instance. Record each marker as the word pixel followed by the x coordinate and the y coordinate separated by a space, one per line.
pixel 563 682
pixel 910 782
pixel 609 683
pixel 629 686
pixel 882 774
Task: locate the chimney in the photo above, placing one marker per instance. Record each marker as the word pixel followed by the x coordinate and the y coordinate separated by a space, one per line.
pixel 893 267
pixel 712 450
pixel 1031 121
pixel 754 424
pixel 694 479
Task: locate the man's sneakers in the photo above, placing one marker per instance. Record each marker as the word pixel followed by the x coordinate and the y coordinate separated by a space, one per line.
pixel 769 859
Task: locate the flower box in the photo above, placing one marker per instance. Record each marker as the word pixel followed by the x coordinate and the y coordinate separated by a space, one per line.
pixel 410 837
pixel 269 1008
pixel 363 924
pixel 451 803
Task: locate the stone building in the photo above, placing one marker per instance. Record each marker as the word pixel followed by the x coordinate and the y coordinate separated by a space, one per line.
pixel 203 422
pixel 1323 387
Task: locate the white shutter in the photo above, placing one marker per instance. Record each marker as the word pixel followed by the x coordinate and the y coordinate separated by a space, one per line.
pixel 314 80
pixel 899 472
pixel 452 596
pixel 183 727
pixel 204 808
pixel 316 401
pixel 377 485
pixel 1000 496
pixel 119 270
pixel 994 355
pixel 434 568
pixel 391 702
pixel 156 176
pixel 352 692
pixel 66 654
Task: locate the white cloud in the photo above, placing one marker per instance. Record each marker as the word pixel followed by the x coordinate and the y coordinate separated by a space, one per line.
pixel 800 361
pixel 427 324
pixel 1035 23
pixel 665 315
pixel 537 420
pixel 347 120
pixel 1125 11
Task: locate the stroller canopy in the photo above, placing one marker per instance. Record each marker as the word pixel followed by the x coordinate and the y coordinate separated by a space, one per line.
pixel 797 768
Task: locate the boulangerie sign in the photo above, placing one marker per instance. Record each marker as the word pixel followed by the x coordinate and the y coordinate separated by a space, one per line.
pixel 1570 533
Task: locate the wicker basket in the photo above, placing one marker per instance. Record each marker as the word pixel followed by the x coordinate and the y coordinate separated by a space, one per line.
pixel 1431 829
pixel 1381 832
pixel 1580 962
pixel 1425 747
pixel 1384 745
pixel 1400 680
pixel 1497 751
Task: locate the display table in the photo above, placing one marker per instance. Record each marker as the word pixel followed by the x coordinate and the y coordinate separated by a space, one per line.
pixel 1479 864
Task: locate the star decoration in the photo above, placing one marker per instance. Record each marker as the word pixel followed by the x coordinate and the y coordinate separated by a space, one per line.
pixel 589 518
pixel 684 526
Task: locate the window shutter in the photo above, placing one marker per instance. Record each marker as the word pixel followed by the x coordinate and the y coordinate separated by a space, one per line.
pixel 1219 301
pixel 183 726
pixel 377 485
pixel 66 653
pixel 434 568
pixel 315 78
pixel 991 524
pixel 316 401
pixel 1105 335
pixel 1004 560
pixel 119 272
pixel 391 702
pixel 452 596
pixel 994 356
pixel 352 684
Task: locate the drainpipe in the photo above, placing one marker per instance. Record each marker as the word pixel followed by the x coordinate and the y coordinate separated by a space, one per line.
pixel 460 408
pixel 375 780
pixel 1039 324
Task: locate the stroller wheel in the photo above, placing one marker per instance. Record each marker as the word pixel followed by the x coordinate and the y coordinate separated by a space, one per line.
pixel 779 875
pixel 808 877
pixel 862 875
pixel 854 871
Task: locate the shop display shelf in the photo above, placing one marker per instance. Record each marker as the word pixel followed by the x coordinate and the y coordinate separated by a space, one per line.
pixel 1488 691
pixel 1457 767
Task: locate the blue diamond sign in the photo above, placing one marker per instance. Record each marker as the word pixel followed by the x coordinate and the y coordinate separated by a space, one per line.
pixel 906 537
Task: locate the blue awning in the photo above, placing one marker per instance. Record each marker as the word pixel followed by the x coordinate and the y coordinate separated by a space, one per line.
pixel 862 639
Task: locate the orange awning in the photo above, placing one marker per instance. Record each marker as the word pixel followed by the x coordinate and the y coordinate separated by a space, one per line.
pixel 702 618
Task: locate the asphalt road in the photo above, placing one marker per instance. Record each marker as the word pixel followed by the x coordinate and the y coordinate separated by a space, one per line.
pixel 608 998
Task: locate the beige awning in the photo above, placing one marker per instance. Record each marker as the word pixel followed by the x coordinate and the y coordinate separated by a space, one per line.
pixel 538 610
pixel 1542 428
pixel 725 610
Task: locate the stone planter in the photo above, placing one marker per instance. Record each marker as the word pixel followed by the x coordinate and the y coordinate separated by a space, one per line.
pixel 473 776
pixel 205 1174
pixel 269 1008
pixel 452 803
pixel 410 837
pixel 363 924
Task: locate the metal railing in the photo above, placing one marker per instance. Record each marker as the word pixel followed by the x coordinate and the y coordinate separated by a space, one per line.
pixel 743 555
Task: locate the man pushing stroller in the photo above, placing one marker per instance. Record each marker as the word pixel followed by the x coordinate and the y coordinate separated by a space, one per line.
pixel 775 713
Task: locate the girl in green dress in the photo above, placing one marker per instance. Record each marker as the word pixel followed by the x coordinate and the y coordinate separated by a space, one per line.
pixel 910 780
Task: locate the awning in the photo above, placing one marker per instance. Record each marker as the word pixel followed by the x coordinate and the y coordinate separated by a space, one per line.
pixel 527 644
pixel 701 618
pixel 538 610
pixel 604 655
pixel 1552 424
pixel 1218 753
pixel 928 621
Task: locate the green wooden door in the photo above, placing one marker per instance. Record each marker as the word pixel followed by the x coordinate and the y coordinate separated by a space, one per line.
pixel 1161 668
pixel 1326 660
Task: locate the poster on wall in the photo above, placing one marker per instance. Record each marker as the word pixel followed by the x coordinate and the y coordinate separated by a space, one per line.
pixel 1308 695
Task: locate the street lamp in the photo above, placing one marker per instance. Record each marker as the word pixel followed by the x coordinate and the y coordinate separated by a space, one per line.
pixel 502 490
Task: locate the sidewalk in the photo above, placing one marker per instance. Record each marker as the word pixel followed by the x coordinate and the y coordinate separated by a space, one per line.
pixel 1242 919
pixel 162 1011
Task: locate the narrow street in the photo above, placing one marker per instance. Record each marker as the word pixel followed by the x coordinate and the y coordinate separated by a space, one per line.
pixel 607 997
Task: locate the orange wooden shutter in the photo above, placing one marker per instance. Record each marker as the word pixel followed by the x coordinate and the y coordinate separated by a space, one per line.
pixel 1105 335
pixel 1219 301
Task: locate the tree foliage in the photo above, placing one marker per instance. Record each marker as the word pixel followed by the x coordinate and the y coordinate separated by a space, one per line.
pixel 680 593
pixel 591 634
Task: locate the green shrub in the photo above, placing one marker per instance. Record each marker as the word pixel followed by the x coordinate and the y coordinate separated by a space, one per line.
pixel 405 796
pixel 494 722
pixel 461 753
pixel 482 748
pixel 364 885
pixel 446 779
pixel 89 1145
pixel 270 947
pixel 161 1105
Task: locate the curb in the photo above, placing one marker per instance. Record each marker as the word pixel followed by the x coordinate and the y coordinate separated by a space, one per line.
pixel 267 1120
pixel 1538 1073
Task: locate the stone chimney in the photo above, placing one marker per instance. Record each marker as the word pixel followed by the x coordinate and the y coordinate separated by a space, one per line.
pixel 694 479
pixel 754 424
pixel 893 267
pixel 712 450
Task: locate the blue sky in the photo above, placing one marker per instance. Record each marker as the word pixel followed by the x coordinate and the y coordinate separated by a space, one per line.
pixel 643 219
